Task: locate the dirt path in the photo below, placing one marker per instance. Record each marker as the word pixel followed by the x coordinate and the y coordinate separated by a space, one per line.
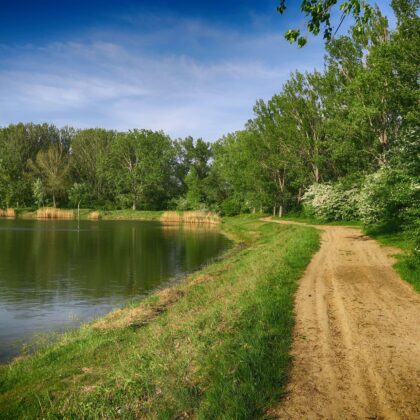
pixel 357 337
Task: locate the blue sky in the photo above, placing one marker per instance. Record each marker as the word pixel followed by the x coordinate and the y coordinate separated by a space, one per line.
pixel 186 67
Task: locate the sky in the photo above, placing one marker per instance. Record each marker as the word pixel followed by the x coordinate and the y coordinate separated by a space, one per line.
pixel 185 67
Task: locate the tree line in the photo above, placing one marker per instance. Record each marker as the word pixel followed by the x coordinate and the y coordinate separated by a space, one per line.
pixel 340 143
pixel 41 164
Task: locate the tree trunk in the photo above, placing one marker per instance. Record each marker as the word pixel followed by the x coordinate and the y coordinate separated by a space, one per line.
pixel 53 197
pixel 316 173
pixel 134 205
pixel 280 211
pixel 274 210
pixel 299 197
pixel 253 210
pixel 78 210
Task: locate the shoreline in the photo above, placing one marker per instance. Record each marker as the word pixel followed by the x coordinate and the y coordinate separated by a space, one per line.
pixel 183 338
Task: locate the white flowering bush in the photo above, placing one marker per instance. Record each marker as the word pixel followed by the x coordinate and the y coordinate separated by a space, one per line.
pixel 331 202
pixel 388 198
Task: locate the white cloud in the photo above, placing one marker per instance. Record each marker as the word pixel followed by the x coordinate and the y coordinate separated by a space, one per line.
pixel 119 84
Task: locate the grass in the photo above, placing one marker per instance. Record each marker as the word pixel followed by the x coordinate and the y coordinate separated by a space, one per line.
pixel 312 221
pixel 214 346
pixel 131 215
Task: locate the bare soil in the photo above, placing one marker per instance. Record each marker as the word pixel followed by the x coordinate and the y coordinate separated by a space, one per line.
pixel 356 349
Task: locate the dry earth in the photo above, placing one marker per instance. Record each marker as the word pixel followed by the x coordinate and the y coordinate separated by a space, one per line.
pixel 356 350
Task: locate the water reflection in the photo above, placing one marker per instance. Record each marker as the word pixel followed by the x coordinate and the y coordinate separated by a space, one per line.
pixel 55 274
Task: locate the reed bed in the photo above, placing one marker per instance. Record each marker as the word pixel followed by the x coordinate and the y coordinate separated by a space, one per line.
pixel 8 213
pixel 53 213
pixel 171 217
pixel 191 217
pixel 94 215
pixel 206 217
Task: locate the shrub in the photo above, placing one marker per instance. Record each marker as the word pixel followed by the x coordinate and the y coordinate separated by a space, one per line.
pixel 388 198
pixel 331 202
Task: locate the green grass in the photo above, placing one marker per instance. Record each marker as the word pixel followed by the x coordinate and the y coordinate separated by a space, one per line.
pixel 130 215
pixel 312 221
pixel 221 350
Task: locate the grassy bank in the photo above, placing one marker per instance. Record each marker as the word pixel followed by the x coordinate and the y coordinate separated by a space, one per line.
pixel 215 344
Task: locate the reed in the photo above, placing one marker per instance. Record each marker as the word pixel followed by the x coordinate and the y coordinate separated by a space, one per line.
pixel 8 213
pixel 205 217
pixel 191 217
pixel 171 217
pixel 94 215
pixel 54 213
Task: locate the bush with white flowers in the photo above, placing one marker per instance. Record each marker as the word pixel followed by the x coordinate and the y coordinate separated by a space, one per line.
pixel 330 202
pixel 388 197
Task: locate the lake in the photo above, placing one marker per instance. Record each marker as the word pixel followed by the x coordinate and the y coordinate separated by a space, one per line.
pixel 56 274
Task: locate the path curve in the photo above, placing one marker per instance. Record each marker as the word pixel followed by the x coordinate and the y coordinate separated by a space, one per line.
pixel 356 348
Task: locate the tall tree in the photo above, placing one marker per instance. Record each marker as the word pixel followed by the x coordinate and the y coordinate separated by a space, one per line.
pixel 89 154
pixel 52 166
pixel 140 169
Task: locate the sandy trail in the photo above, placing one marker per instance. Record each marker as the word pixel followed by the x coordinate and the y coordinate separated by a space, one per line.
pixel 356 350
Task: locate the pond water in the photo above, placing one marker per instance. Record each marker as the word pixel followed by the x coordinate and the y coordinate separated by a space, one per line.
pixel 54 275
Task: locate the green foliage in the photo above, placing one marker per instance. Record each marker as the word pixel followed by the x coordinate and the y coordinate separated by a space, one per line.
pixel 39 193
pixel 6 186
pixel 388 197
pixel 52 166
pixel 78 193
pixel 318 15
pixel 90 151
pixel 140 168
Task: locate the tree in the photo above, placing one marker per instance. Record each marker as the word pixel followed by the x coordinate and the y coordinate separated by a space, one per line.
pixel 78 193
pixel 318 13
pixel 52 167
pixel 141 168
pixel 38 192
pixel 190 154
pixel 18 144
pixel 6 186
pixel 89 153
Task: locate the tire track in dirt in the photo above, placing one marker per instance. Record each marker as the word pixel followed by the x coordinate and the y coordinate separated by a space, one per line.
pixel 356 349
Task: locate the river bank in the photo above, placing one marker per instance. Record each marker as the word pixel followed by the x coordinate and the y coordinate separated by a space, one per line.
pixel 218 342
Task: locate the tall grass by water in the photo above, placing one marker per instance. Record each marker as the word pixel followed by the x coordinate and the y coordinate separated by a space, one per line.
pixel 94 215
pixel 191 217
pixel 217 344
pixel 54 213
pixel 8 213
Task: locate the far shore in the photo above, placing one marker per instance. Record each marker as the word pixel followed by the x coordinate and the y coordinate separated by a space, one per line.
pixel 169 217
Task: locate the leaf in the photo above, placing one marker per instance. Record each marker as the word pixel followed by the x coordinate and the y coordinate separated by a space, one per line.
pixel 302 42
pixel 291 35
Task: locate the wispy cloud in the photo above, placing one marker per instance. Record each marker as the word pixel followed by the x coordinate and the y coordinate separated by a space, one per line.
pixel 119 81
